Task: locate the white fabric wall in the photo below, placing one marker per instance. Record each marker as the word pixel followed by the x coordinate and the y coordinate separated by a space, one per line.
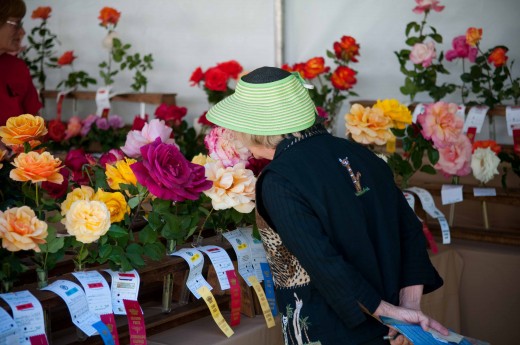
pixel 185 34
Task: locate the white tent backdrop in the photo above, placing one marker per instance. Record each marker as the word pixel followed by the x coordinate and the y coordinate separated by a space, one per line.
pixel 185 34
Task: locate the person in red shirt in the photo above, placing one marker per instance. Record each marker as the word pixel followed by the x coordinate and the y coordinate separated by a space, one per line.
pixel 17 92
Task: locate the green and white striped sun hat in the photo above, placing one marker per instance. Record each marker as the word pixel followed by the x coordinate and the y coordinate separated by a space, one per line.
pixel 267 101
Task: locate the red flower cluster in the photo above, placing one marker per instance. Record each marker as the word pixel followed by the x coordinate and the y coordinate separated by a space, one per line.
pixel 347 49
pixel 171 114
pixel 42 12
pixel 67 58
pixel 217 78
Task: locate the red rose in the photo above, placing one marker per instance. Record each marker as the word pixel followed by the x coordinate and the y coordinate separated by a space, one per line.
pixel 498 56
pixel 343 78
pixel 286 67
pixel 314 67
pixel 139 122
pixel 109 15
pixel 170 113
pixel 300 68
pixel 232 67
pixel 56 130
pixel 347 49
pixel 67 58
pixel 42 12
pixel 76 159
pixel 55 190
pixel 196 76
pixel 216 79
pixel 203 120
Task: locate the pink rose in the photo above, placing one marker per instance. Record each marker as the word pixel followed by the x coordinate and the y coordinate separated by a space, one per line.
pixel 111 157
pixel 87 124
pixel 115 121
pixel 440 123
pixel 102 123
pixel 423 53
pixel 223 146
pixel 73 127
pixel 455 159
pixel 151 131
pixel 427 5
pixel 461 50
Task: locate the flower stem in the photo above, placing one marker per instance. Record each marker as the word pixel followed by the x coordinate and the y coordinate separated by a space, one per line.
pixel 203 224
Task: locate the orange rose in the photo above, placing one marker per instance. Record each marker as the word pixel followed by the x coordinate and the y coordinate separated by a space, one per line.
pixel 20 229
pixel 42 12
pixel 22 129
pixel 498 56
pixel 343 78
pixel 36 167
pixel 109 15
pixel 347 49
pixel 300 68
pixel 483 144
pixel 67 58
pixel 314 67
pixel 473 36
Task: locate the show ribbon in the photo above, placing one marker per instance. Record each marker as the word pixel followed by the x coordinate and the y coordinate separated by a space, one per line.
pixel 269 319
pixel 136 326
pixel 269 287
pixel 236 297
pixel 208 297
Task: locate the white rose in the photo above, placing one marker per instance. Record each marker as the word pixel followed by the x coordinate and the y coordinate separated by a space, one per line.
pixel 484 163
pixel 87 220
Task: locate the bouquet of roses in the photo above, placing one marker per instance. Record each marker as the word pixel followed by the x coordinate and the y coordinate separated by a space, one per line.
pixel 215 80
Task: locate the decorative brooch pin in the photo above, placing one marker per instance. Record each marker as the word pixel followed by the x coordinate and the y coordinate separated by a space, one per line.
pixel 355 177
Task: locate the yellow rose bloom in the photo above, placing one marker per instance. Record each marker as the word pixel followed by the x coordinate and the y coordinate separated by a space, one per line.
pixel 87 220
pixel 36 167
pixel 83 193
pixel 399 113
pixel 368 125
pixel 202 159
pixel 20 229
pixel 120 173
pixel 116 204
pixel 21 129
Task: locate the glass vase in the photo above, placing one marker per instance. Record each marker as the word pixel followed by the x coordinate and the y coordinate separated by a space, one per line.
pixel 166 305
pixel 42 277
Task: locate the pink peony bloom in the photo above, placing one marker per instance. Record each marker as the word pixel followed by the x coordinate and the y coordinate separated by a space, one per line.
pixel 423 53
pixel 223 146
pixel 440 123
pixel 168 174
pixel 151 131
pixel 427 5
pixel 73 127
pixel 455 159
pixel 461 50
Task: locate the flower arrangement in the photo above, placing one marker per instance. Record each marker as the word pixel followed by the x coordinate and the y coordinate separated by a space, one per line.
pixel 215 80
pixel 331 88
pixel 119 53
pixel 421 64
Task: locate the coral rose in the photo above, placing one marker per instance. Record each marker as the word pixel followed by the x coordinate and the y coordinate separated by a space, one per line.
pixel 116 204
pixel 343 78
pixel 22 129
pixel 120 173
pixel 498 56
pixel 82 193
pixel 484 164
pixel 233 187
pixel 440 123
pixel 109 15
pixel 223 146
pixel 87 220
pixel 73 127
pixel 455 159
pixel 168 174
pixel 399 113
pixel 36 167
pixel 368 126
pixel 423 53
pixel 42 12
pixel 151 131
pixel 314 67
pixel 347 49
pixel 67 58
pixel 473 36
pixel 20 229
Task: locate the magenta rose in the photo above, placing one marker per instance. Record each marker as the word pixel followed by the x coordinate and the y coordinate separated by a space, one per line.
pixel 111 157
pixel 461 49
pixel 168 174
pixel 75 161
pixel 55 190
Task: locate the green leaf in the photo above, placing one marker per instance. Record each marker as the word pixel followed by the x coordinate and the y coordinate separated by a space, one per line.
pixel 154 251
pixel 54 218
pixel 147 235
pixel 105 251
pixel 116 231
pixel 133 202
pixel 161 206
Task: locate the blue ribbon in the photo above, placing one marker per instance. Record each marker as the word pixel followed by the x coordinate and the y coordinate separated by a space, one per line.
pixel 269 287
pixel 104 332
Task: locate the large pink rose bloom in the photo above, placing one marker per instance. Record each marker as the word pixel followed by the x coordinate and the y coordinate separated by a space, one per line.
pixel 427 5
pixel 151 131
pixel 455 159
pixel 168 174
pixel 461 49
pixel 223 146
pixel 440 123
pixel 423 53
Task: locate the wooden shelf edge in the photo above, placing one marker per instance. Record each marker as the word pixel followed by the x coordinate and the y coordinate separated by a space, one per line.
pixel 493 236
pixel 148 98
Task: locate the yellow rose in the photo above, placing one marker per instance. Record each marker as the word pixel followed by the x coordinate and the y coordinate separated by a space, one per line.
pixel 473 36
pixel 20 229
pixel 87 220
pixel 120 173
pixel 202 159
pixel 21 129
pixel 83 193
pixel 116 204
pixel 368 125
pixel 399 113
pixel 36 167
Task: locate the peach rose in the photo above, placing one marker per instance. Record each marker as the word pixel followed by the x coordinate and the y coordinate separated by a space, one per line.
pixel 20 229
pixel 473 36
pixel 368 125
pixel 22 129
pixel 36 167
pixel 73 127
